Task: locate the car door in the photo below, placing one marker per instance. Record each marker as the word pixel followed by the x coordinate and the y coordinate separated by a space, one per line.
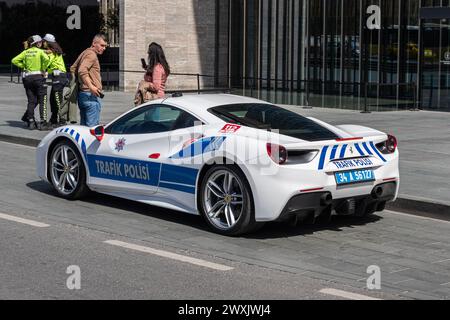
pixel 128 159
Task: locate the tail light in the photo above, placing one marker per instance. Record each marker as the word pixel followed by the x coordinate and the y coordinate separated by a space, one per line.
pixel 277 153
pixel 389 146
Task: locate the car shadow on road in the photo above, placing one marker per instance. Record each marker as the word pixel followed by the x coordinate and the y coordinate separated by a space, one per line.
pixel 128 205
pixel 275 230
pixel 272 230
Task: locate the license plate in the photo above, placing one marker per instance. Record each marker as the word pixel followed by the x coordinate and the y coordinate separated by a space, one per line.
pixel 354 176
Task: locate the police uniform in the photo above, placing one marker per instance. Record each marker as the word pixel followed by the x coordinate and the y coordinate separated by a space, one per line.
pixel 34 62
pixel 57 72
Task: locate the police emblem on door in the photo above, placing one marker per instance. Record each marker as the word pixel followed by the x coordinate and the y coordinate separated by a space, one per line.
pixel 120 144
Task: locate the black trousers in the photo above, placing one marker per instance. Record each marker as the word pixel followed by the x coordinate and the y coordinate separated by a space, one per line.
pixel 56 95
pixel 36 91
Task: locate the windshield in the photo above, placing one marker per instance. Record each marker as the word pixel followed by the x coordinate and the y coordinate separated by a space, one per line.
pixel 270 117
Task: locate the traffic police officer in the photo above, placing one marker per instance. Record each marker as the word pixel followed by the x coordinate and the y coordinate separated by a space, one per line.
pixel 34 62
pixel 57 72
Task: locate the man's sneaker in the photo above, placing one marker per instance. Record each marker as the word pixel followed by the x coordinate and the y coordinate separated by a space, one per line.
pixel 25 117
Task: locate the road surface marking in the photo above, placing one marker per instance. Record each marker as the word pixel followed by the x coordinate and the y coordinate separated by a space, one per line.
pixel 170 255
pixel 418 217
pixel 345 294
pixel 24 221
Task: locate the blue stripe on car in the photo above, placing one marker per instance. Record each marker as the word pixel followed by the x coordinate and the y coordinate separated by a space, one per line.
pixel 74 134
pixel 333 152
pixel 359 149
pixel 126 170
pixel 199 147
pixel 83 147
pixel 367 148
pixel 178 174
pixel 143 172
pixel 182 188
pixel 377 152
pixel 322 157
pixel 344 148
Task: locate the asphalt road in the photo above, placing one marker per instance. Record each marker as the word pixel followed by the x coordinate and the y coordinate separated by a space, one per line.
pixel 127 250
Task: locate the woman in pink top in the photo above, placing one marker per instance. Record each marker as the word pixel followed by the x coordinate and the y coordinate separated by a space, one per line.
pixel 157 71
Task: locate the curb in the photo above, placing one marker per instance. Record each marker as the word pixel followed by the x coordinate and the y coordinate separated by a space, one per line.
pixel 429 208
pixel 30 142
pixel 414 206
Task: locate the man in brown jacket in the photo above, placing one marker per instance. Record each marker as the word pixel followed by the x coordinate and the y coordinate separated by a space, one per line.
pixel 87 69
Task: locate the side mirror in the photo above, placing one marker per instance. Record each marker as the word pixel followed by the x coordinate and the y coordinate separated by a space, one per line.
pixel 98 132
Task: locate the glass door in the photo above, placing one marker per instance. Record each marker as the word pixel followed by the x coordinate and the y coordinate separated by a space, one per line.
pixel 436 64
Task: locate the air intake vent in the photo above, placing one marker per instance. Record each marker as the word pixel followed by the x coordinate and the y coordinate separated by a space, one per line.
pixel 301 156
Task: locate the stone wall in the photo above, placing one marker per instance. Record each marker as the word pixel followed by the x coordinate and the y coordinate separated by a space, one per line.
pixel 184 28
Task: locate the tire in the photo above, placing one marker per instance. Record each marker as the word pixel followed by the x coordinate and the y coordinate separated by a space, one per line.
pixel 65 160
pixel 227 206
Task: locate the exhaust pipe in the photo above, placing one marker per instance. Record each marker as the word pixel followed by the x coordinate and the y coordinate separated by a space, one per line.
pixel 377 192
pixel 326 199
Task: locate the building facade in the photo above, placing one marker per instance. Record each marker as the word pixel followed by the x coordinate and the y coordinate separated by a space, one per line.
pixel 187 31
pixel 375 54
pixel 356 54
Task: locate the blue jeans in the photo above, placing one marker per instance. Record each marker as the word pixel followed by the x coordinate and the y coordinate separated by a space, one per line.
pixel 90 107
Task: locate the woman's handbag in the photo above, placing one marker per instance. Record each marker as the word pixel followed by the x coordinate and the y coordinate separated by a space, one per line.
pixel 143 93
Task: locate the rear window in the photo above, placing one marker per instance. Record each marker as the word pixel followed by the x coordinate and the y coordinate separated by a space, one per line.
pixel 270 117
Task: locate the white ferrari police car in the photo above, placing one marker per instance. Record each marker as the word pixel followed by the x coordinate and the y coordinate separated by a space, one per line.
pixel 237 161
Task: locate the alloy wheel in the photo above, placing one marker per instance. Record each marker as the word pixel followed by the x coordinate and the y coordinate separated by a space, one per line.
pixel 65 167
pixel 223 199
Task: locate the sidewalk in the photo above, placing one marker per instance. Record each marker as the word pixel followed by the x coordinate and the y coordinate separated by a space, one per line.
pixel 424 142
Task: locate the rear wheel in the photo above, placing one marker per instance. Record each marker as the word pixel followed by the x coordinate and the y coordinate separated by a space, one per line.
pixel 226 202
pixel 67 171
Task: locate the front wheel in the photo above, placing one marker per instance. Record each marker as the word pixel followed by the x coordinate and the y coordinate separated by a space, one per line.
pixel 67 171
pixel 226 202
